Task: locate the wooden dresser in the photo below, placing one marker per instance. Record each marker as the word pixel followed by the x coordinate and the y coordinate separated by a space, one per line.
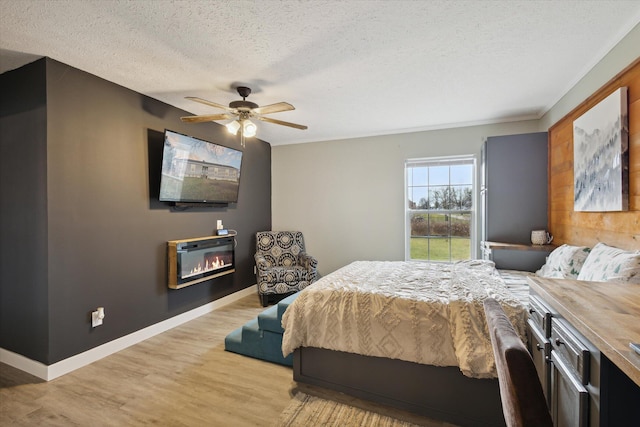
pixel 579 335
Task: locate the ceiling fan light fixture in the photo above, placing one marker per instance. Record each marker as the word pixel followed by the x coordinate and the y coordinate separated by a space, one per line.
pixel 249 128
pixel 240 111
pixel 233 127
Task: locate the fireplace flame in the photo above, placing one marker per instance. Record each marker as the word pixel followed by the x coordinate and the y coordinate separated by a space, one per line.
pixel 209 266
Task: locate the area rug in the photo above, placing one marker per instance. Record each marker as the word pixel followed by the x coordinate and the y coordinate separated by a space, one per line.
pixel 305 410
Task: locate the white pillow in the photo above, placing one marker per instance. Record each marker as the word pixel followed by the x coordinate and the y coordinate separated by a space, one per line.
pixel 608 264
pixel 565 262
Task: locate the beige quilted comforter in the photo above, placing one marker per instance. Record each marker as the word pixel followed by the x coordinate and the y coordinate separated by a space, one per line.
pixel 426 313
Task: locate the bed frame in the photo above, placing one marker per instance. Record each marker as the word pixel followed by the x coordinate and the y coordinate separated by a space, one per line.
pixel 441 393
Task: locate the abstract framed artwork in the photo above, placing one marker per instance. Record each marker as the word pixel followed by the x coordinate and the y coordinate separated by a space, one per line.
pixel 601 156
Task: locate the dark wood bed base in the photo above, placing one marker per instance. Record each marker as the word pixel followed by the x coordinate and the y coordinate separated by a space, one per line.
pixel 441 393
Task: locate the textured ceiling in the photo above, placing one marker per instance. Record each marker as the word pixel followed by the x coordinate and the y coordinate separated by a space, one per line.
pixel 351 68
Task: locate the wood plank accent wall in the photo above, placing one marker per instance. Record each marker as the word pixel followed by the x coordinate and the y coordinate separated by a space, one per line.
pixel 621 229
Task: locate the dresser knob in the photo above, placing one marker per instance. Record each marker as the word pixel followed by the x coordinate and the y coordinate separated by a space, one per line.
pixel 558 342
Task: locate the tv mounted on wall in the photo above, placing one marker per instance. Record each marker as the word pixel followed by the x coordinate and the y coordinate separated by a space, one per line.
pixel 198 171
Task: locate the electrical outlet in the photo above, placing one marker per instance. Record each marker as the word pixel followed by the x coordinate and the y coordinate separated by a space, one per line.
pixel 97 317
pixel 219 225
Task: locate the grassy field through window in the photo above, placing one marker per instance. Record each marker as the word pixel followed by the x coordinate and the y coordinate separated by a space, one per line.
pixel 439 208
pixel 437 249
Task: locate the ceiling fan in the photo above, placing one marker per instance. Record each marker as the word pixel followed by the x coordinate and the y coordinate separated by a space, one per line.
pixel 240 112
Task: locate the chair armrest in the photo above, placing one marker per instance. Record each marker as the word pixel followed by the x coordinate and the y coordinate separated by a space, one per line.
pixel 261 264
pixel 307 261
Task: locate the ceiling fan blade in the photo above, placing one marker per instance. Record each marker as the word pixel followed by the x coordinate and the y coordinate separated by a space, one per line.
pixel 211 104
pixel 273 108
pixel 280 122
pixel 206 118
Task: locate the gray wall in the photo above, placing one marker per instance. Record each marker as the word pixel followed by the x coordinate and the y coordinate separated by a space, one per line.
pixel 347 196
pixel 516 168
pixel 516 179
pixel 96 233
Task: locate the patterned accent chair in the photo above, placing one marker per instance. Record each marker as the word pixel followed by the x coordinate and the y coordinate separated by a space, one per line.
pixel 283 266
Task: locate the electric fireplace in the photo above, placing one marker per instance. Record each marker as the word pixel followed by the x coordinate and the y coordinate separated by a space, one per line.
pixel 193 261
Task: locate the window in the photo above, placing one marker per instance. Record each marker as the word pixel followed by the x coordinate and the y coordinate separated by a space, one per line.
pixel 439 210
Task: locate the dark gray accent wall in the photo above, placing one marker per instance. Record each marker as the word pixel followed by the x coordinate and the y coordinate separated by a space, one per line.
pixel 515 180
pixel 24 313
pixel 516 186
pixel 107 232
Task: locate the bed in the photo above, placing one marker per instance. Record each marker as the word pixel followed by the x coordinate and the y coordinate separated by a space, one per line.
pixel 411 335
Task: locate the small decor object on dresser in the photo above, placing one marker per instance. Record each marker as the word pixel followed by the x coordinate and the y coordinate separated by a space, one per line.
pixel 541 237
pixel 601 156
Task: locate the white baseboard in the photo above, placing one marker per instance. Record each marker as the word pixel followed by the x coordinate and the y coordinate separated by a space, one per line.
pixel 50 372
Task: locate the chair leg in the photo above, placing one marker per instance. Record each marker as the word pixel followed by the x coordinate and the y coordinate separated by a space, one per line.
pixel 264 299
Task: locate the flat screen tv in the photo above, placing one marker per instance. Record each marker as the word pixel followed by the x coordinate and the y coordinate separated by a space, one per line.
pixel 197 171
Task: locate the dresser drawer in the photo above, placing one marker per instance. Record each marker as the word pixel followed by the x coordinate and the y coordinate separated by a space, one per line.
pixel 540 349
pixel 571 349
pixel 540 315
pixel 570 402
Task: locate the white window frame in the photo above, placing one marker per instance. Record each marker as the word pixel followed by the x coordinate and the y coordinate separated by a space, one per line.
pixel 442 161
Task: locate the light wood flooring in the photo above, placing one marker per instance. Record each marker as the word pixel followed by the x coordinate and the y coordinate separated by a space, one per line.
pixel 182 377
